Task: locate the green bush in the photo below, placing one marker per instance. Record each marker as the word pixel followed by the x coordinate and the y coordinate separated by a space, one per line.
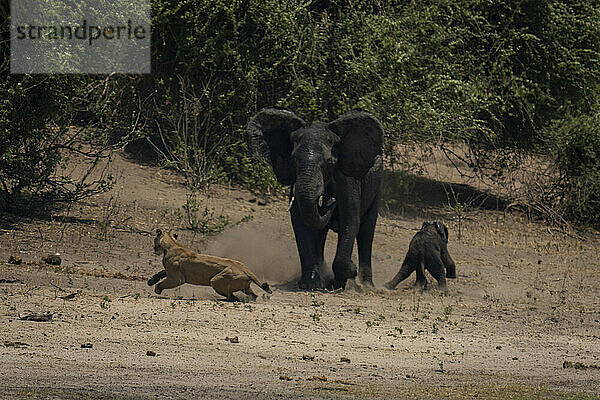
pixel 494 75
pixel 577 156
pixel 27 157
pixel 489 73
pixel 36 112
pixel 36 142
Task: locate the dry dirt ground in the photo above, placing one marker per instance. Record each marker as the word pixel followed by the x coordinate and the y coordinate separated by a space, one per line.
pixel 521 321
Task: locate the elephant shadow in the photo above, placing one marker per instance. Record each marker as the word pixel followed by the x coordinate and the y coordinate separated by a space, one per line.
pixel 413 196
pixel 290 284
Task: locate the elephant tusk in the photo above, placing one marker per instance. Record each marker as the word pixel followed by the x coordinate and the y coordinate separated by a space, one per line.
pixel 321 201
pixel 292 197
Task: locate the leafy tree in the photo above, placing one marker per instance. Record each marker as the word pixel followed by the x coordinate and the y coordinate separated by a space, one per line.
pixel 36 112
pixel 505 79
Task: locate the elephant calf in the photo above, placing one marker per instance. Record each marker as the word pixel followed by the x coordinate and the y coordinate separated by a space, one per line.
pixel 427 250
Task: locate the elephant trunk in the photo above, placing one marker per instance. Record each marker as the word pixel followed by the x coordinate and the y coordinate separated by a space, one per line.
pixel 312 216
pixel 307 196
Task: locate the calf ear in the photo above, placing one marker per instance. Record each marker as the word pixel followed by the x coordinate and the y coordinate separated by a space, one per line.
pixel 442 230
pixel 268 136
pixel 361 141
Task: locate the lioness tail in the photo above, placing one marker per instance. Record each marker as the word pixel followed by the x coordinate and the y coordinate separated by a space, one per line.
pixel 263 286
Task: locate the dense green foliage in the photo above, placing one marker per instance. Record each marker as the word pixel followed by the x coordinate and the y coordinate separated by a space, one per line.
pixel 577 154
pixel 26 106
pixel 38 137
pixel 36 143
pixel 506 78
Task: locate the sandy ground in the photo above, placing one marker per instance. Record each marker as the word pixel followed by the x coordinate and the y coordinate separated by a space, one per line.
pixel 527 300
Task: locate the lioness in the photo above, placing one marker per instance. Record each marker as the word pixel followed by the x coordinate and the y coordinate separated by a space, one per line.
pixel 183 265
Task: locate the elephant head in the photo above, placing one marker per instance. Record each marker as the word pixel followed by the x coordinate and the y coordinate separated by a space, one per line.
pixel 439 227
pixel 307 157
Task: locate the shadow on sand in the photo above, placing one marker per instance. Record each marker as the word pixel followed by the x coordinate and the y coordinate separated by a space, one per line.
pixel 413 196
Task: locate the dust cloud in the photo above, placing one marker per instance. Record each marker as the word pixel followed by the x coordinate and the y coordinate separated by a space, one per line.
pixel 265 249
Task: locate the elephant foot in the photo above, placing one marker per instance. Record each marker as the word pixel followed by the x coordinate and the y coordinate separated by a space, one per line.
pixel 366 275
pixel 311 280
pixel 442 286
pixel 367 282
pixel 339 284
pixel 342 272
pixel 352 284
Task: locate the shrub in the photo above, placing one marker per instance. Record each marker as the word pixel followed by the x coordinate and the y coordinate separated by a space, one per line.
pixel 36 143
pixel 493 75
pixel 577 155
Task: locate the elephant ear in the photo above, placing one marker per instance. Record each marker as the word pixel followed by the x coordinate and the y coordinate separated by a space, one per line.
pixel 268 136
pixel 361 141
pixel 442 230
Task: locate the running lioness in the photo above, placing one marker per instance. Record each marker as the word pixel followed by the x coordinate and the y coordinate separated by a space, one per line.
pixel 183 265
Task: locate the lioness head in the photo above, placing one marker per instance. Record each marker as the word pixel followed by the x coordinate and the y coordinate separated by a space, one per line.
pixel 163 241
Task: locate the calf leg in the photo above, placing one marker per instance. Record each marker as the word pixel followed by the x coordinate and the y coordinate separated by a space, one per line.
pixel 449 264
pixel 437 270
pixel 421 279
pixel 405 271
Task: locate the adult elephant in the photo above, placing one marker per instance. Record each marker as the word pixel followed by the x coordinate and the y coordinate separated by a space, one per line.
pixel 335 171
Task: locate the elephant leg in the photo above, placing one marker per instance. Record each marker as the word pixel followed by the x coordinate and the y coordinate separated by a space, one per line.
pixel 343 267
pixel 306 242
pixel 348 205
pixel 174 279
pixel 364 241
pixel 421 278
pixel 324 270
pixel 449 264
pixel 321 238
pixel 405 271
pixel 436 269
